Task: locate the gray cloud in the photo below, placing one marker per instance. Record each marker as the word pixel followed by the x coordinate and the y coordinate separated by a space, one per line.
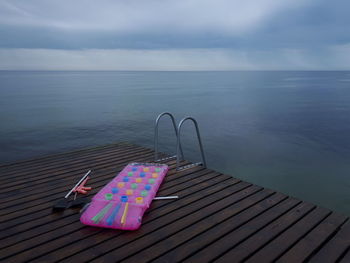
pixel 134 24
pixel 248 35
pixel 227 16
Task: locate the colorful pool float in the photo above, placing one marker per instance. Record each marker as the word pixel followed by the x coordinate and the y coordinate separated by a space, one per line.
pixel 123 201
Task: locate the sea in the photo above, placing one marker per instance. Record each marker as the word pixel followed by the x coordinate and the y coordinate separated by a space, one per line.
pixel 284 130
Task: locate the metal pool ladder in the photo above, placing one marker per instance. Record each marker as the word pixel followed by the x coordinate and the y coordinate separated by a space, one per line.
pixel 178 146
pixel 156 137
pixel 179 153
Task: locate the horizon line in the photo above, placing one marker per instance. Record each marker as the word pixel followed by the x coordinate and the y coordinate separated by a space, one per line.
pixel 120 70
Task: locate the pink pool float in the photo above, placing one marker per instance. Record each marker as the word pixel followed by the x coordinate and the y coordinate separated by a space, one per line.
pixel 123 201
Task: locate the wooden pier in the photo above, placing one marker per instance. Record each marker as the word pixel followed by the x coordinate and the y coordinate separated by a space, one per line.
pixel 217 217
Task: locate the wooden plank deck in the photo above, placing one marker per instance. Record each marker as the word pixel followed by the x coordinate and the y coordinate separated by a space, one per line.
pixel 217 218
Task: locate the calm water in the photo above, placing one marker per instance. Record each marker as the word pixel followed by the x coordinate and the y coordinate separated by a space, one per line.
pixel 288 131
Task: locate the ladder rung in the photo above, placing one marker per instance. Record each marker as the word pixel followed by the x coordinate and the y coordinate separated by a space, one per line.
pixel 185 167
pixel 166 158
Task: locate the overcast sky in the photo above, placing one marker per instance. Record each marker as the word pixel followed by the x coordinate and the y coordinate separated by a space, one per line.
pixel 175 35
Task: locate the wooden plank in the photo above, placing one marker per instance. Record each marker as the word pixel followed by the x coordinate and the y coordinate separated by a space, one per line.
pixel 335 247
pixel 346 257
pixel 65 182
pixel 314 240
pixel 34 213
pixel 54 230
pixel 35 174
pixel 54 177
pixel 85 249
pixel 86 231
pixel 62 154
pixel 226 242
pixel 169 181
pixel 163 227
pixel 61 161
pixel 78 227
pixel 98 179
pixel 25 183
pixel 48 211
pixel 20 222
pixel 63 185
pixel 47 158
pixel 168 187
pixel 217 219
pixel 21 209
pixel 283 242
pixel 183 251
pixel 263 236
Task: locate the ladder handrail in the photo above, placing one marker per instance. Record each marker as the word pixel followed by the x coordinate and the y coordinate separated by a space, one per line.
pixel 178 144
pixel 156 134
